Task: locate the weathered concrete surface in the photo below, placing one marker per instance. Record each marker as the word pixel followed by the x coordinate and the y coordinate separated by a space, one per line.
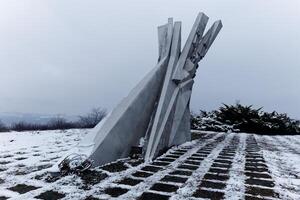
pixel 165 39
pixel 200 50
pixel 166 100
pixel 130 119
pixel 171 121
pixel 157 109
pixel 180 132
pixel 196 32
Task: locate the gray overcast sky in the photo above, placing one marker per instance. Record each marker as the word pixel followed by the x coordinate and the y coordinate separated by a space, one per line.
pixel 59 56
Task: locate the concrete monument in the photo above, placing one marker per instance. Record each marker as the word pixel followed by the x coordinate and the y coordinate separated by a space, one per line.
pixel 157 110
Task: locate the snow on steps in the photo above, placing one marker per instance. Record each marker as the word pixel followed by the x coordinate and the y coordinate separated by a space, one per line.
pixel 214 166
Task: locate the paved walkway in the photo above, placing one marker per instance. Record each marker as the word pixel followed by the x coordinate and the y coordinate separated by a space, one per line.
pixel 213 166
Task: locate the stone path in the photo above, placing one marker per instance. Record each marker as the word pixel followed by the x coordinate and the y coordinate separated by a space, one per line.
pixel 213 166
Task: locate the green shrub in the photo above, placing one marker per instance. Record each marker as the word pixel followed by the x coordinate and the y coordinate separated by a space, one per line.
pixel 240 118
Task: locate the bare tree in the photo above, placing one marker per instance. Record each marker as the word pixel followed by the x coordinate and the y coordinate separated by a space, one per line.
pixel 3 127
pixel 22 126
pixel 91 119
pixel 60 123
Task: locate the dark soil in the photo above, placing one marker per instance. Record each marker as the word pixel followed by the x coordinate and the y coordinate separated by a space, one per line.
pixel 216 177
pixel 115 167
pixel 130 181
pixel 217 170
pixel 175 179
pixel 166 159
pixel 50 195
pixel 91 177
pixel 22 188
pixel 151 168
pixel 181 172
pixel 192 162
pixel 164 187
pixel 257 175
pixel 209 194
pixel 153 196
pixel 261 191
pixel 160 163
pixel 214 185
pixel 142 174
pixel 259 182
pixel 190 167
pixel 115 192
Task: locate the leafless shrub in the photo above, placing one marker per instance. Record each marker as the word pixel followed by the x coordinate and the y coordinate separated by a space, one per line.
pixel 25 126
pixel 91 119
pixel 3 127
pixel 60 123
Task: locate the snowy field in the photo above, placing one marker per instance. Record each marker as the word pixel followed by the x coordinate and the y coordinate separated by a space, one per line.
pixel 212 166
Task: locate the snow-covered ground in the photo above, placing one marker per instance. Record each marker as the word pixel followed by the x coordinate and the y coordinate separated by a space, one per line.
pixel 282 154
pixel 213 166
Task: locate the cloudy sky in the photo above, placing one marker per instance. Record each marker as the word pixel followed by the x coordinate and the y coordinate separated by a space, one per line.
pixel 59 56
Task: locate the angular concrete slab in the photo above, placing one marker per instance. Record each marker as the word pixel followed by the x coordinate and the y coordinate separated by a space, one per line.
pixel 129 121
pixel 197 31
pixel 157 110
pixel 167 96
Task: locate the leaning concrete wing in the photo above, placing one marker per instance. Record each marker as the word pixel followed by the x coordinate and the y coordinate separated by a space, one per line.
pixel 192 40
pixel 129 121
pixel 167 98
pixel 157 109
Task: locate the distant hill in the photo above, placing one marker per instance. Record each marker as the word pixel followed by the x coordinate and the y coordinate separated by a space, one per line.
pixel 9 118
